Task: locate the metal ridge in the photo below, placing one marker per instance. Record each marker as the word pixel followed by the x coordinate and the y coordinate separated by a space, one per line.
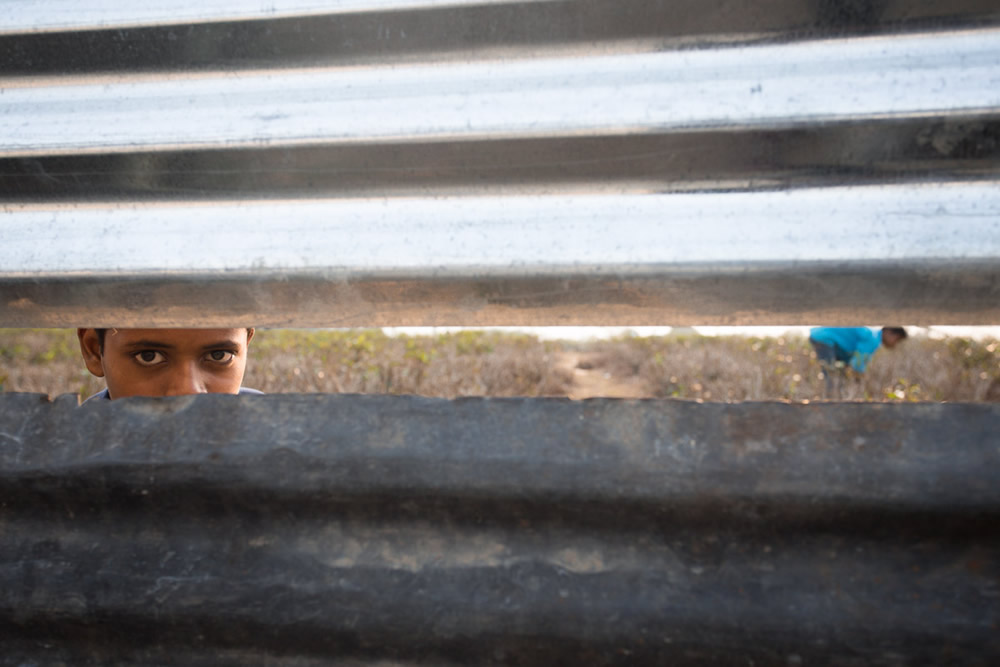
pixel 43 38
pixel 746 87
pixel 887 151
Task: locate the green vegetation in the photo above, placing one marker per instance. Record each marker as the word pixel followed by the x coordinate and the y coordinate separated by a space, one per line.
pixel 480 363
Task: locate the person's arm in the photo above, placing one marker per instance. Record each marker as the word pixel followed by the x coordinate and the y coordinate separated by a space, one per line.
pixel 859 361
pixel 865 348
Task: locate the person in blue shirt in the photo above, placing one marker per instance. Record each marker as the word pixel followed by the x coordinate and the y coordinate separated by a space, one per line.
pixel 838 348
pixel 166 362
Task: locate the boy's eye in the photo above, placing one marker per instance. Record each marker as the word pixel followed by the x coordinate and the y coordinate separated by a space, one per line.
pixel 221 356
pixel 149 357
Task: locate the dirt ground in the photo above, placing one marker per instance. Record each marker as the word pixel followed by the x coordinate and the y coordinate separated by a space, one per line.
pixel 591 380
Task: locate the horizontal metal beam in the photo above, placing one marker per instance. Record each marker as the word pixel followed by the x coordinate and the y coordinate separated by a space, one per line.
pixel 523 531
pixel 61 36
pixel 920 149
pixel 629 93
pixel 928 254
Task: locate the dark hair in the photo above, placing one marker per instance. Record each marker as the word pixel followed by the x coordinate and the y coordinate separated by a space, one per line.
pixel 899 332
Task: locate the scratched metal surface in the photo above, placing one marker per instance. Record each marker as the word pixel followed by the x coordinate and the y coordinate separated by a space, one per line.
pixel 402 530
pixel 408 162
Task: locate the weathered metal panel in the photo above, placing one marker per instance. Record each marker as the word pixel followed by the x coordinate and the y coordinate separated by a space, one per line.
pixel 402 530
pixel 544 162
pixel 380 162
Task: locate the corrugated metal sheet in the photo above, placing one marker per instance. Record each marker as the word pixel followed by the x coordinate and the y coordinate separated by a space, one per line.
pixel 370 162
pixel 378 162
pixel 387 530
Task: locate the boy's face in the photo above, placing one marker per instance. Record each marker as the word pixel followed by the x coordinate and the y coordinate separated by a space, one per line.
pixel 167 362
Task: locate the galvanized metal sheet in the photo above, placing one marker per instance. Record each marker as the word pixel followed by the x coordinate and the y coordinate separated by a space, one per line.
pixel 315 164
pixel 349 262
pixel 633 93
pixel 367 530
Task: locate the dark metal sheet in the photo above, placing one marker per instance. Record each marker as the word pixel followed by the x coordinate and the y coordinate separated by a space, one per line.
pixel 517 531
pixel 932 293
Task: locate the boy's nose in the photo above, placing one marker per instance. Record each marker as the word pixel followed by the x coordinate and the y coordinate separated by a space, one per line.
pixel 185 380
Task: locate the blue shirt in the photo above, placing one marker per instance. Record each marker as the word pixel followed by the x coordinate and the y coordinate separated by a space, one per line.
pixel 858 343
pixel 104 393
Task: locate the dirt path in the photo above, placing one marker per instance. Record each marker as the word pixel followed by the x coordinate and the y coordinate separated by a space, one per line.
pixel 592 381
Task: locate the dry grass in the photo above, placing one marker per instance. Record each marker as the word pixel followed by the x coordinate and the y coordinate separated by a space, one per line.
pixel 739 369
pixel 46 361
pixel 475 363
pixel 471 363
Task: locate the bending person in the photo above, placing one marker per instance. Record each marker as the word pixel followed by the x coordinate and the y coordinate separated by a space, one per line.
pixel 840 347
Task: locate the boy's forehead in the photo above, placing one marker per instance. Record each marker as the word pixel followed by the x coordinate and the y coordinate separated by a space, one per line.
pixel 175 337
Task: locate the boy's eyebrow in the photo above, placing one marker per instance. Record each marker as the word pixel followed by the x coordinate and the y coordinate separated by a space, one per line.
pixel 146 344
pixel 229 342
